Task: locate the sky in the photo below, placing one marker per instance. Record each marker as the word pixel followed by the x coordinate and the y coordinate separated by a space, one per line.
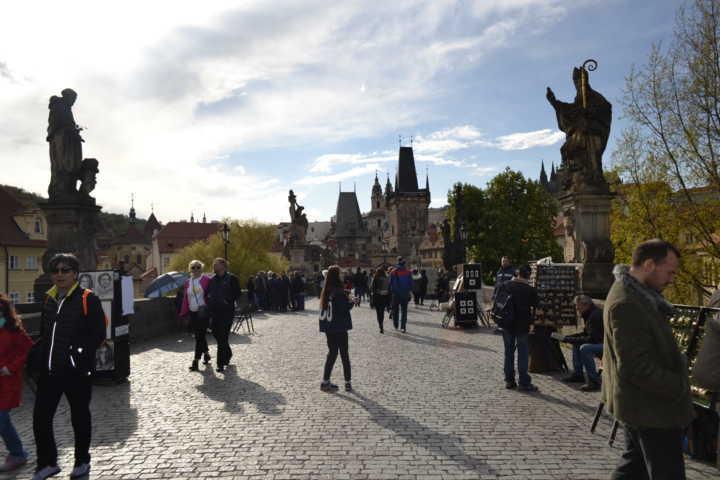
pixel 221 107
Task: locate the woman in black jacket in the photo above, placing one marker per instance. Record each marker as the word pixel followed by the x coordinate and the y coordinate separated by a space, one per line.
pixel 334 299
pixel 380 289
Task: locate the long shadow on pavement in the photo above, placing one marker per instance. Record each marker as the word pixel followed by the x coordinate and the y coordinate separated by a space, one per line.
pixel 440 444
pixel 234 391
pixel 437 342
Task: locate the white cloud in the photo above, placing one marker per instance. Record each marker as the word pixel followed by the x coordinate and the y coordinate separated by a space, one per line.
pixel 338 177
pixel 174 97
pixel 523 141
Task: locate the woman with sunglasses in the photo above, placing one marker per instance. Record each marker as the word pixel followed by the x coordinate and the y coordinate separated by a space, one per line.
pixel 14 348
pixel 195 303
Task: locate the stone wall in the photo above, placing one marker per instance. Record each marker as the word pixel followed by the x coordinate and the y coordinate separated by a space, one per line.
pixel 153 318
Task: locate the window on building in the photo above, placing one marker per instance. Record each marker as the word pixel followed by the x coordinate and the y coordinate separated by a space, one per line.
pixel 14 297
pixel 32 262
pixel 38 225
pixel 378 223
pixel 166 261
pixel 126 259
pixel 139 259
pixel 14 262
pixel 30 297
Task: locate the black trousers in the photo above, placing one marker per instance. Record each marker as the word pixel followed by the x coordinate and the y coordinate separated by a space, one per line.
pixel 380 303
pixel 221 324
pixel 651 454
pixel 50 389
pixel 199 328
pixel 399 311
pixel 337 342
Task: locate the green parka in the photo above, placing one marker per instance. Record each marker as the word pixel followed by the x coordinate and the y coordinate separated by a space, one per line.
pixel 645 377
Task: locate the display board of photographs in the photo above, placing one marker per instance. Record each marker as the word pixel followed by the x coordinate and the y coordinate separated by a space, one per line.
pixel 466 307
pixel 472 274
pixel 102 284
pixel 557 285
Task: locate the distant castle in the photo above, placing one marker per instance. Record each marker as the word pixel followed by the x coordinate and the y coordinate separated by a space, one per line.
pixel 396 224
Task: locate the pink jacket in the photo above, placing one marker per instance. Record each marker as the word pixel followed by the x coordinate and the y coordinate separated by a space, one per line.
pixel 204 282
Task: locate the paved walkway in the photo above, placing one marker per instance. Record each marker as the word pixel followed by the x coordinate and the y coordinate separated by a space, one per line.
pixel 429 404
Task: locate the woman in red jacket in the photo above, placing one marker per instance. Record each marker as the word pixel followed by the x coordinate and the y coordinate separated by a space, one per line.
pixel 14 348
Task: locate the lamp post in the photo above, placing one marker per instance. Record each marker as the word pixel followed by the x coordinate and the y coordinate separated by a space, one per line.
pixel 463 242
pixel 226 237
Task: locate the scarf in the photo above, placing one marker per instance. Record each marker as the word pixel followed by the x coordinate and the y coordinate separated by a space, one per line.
pixel 654 298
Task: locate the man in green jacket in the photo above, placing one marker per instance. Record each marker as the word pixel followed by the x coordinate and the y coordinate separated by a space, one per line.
pixel 645 378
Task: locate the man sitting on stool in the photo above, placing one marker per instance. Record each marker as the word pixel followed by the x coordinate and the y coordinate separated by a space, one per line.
pixel 586 345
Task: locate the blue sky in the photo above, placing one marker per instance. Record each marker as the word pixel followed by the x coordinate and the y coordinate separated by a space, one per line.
pixel 222 107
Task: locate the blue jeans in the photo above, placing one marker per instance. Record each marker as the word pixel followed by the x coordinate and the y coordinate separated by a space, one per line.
pixel 520 342
pixel 10 435
pixel 584 356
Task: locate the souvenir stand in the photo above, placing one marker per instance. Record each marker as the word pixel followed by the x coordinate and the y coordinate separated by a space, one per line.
pixel 112 360
pixel 557 285
pixel 467 307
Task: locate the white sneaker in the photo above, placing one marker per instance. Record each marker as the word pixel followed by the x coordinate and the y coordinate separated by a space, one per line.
pixel 81 470
pixel 46 472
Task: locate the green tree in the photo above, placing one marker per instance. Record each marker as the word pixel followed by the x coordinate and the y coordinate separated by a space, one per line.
pixel 248 250
pixel 668 158
pixel 513 216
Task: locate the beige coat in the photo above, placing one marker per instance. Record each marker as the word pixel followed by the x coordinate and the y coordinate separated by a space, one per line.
pixel 645 377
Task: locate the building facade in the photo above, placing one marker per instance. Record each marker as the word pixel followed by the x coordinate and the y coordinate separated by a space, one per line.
pixel 23 240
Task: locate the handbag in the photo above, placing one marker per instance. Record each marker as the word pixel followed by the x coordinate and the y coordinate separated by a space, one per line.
pixel 203 312
pixel 706 373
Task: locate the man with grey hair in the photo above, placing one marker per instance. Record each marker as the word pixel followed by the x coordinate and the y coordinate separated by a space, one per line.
pixel 586 345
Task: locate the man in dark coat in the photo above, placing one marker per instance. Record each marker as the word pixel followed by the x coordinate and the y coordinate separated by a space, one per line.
pixel 586 345
pixel 645 383
pixel 223 292
pixel 72 327
pixel 524 299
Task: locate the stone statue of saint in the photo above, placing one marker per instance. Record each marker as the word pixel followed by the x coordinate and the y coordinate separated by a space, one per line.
pixel 63 134
pixel 293 205
pixel 298 219
pixel 88 177
pixel 586 123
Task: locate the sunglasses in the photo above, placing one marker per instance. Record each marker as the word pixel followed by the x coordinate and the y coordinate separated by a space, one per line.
pixel 196 267
pixel 61 270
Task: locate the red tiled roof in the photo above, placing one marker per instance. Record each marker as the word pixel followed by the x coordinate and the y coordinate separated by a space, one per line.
pixel 177 235
pixel 10 233
pixel 131 237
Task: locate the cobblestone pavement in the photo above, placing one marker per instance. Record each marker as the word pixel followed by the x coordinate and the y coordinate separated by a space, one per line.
pixel 428 404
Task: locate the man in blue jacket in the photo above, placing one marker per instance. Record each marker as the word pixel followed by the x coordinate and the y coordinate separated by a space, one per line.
pixel 400 287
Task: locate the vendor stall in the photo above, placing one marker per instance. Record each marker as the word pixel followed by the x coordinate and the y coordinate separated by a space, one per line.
pixel 557 285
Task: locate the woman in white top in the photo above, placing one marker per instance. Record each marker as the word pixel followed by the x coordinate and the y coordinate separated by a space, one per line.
pixel 195 304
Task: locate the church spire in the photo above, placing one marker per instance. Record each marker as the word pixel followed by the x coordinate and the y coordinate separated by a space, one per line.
pixel 132 209
pixel 543 175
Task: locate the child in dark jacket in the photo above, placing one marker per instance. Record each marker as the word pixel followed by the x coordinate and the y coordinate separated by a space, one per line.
pixel 334 299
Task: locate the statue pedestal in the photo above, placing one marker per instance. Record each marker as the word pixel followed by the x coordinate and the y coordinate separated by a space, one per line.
pixel 587 239
pixel 298 258
pixel 71 229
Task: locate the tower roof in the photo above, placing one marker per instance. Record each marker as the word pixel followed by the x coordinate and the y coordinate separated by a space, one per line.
pixel 151 225
pixel 348 218
pixel 376 189
pixel 406 176
pixel 543 175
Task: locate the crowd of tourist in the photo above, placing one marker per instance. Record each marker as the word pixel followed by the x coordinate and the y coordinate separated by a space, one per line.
pixel 644 381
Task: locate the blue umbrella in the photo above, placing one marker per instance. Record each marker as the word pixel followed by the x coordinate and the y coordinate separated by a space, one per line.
pixel 165 283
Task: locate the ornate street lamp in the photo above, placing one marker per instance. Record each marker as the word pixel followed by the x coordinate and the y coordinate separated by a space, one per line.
pixel 226 237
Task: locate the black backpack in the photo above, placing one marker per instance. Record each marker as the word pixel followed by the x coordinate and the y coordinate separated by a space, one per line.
pixel 503 309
